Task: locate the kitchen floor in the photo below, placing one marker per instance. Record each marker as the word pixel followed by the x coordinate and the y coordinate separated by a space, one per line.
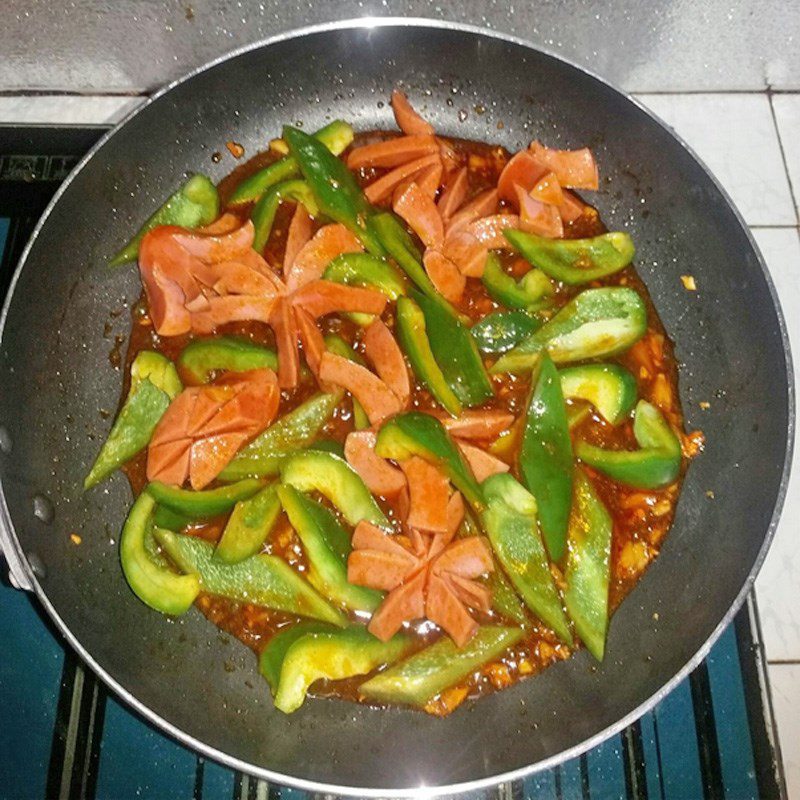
pixel 750 142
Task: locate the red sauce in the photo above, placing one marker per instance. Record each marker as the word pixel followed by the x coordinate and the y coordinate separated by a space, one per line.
pixel 641 519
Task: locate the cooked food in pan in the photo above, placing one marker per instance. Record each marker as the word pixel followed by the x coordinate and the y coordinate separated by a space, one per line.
pixel 399 413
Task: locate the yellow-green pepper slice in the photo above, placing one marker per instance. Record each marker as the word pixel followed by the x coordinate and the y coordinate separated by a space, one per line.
pixel 575 261
pixel 262 580
pixel 196 203
pixel 154 584
pixel 655 465
pixel 154 383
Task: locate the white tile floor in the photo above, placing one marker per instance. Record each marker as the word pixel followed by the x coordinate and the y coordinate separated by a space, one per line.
pixel 748 141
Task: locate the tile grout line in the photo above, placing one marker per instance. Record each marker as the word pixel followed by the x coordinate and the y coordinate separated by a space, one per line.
pixel 783 155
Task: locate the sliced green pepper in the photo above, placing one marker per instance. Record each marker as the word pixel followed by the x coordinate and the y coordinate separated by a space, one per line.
pixel 596 323
pixel 363 269
pixel 164 517
pixel 249 526
pixel 423 676
pixel 326 544
pixel 510 522
pixel 656 464
pixel 505 599
pixel 261 580
pixel 416 434
pixel 263 213
pixel 159 370
pixel 336 136
pixel 588 568
pixel 202 357
pixel 292 432
pixel 328 446
pixel 339 347
pixel 545 458
pixel 196 203
pixel 205 504
pixel 154 383
pixel 610 388
pixel 499 332
pixel 332 655
pixel 153 584
pixel 575 261
pixel 530 293
pixel 335 188
pixel 334 478
pixel 413 336
pixel 400 246
pixel 271 659
pixel 455 352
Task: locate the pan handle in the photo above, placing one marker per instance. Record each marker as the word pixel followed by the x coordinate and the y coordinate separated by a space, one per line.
pixel 19 574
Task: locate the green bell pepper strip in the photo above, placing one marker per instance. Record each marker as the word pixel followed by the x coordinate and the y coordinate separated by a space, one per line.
pixel 271 659
pixel 326 544
pixel 205 504
pixel 368 271
pixel 413 336
pixel 339 347
pixel 510 521
pixel 422 677
pixel 545 458
pixel 505 599
pixel 400 246
pixel 336 136
pixel 575 261
pixel 588 568
pixel 610 388
pixel 332 655
pixel 335 188
pixel 655 465
pixel 334 478
pixel 196 203
pixel 164 517
pixel 248 526
pixel 152 583
pixel 328 446
pixel 594 324
pixel 532 292
pixel 455 352
pixel 292 432
pixel 262 580
pixel 202 357
pixel 263 213
pixel 502 330
pixel 154 383
pixel 159 370
pixel 416 434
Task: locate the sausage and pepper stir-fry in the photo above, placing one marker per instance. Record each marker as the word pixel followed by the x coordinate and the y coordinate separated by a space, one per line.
pixel 400 414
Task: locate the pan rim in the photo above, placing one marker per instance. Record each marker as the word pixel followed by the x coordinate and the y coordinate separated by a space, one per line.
pixel 162 724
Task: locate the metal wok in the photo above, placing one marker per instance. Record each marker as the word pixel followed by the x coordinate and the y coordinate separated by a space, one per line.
pixel 66 306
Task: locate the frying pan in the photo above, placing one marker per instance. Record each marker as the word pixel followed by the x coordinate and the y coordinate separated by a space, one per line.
pixel 66 306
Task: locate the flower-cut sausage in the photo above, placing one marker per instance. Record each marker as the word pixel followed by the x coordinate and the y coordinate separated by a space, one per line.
pixel 431 577
pixel 205 426
pixel 185 272
pixel 378 474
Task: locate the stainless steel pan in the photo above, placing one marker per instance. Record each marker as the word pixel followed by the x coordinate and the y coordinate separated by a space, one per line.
pixel 66 306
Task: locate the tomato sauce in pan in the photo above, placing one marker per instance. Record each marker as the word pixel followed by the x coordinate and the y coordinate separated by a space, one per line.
pixel 641 518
